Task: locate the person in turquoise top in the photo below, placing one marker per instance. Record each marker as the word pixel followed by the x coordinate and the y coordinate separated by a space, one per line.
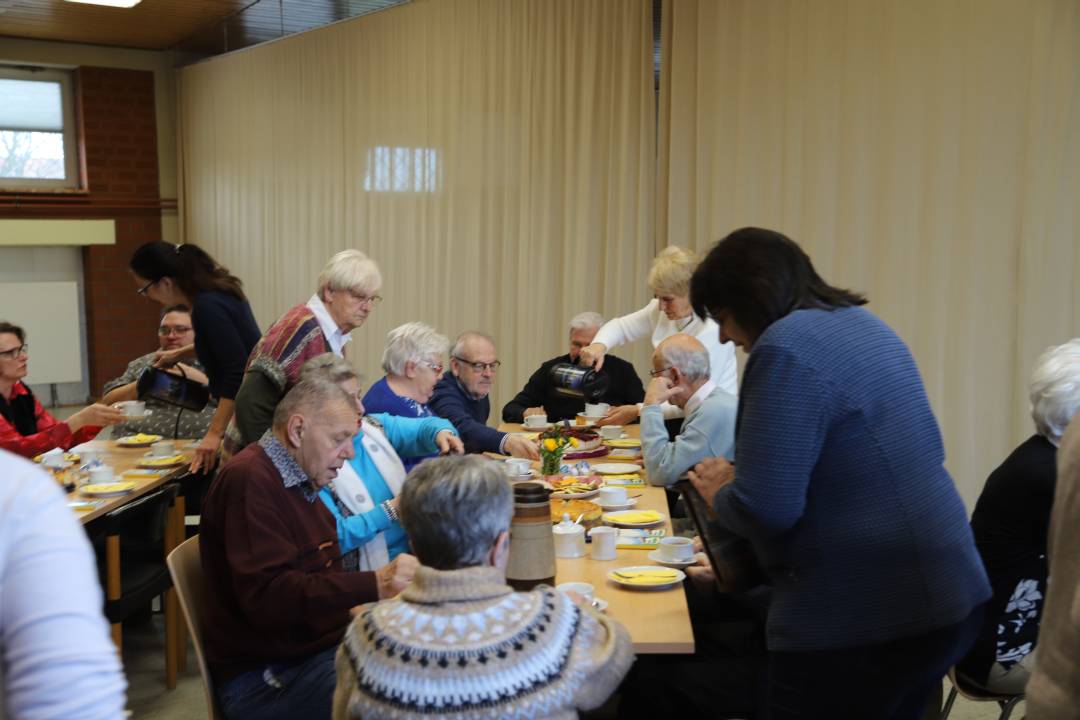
pixel 363 496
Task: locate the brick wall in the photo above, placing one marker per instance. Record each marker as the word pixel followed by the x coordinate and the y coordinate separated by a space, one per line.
pixel 118 128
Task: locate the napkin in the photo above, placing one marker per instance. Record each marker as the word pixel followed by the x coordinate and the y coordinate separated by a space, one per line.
pixel 634 480
pixel 636 516
pixel 646 577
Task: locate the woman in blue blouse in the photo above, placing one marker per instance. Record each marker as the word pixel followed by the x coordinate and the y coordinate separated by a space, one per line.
pixel 364 495
pixel 841 488
pixel 225 328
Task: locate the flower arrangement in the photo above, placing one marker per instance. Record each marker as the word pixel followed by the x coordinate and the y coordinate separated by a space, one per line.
pixel 553 443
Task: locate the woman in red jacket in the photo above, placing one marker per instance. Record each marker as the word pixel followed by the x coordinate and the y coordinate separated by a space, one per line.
pixel 26 428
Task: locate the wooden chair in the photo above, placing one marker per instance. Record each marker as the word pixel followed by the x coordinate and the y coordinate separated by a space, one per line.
pixel 187 575
pixel 963 685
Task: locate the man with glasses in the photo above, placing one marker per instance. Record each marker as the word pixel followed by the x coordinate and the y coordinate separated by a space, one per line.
pixel 680 376
pixel 462 398
pixel 174 332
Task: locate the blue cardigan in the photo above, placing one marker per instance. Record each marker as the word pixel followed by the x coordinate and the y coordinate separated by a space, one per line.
pixel 380 398
pixel 467 414
pixel 840 486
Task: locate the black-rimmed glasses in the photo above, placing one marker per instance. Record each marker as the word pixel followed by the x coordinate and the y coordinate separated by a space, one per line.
pixel 145 288
pixel 661 371
pixel 479 366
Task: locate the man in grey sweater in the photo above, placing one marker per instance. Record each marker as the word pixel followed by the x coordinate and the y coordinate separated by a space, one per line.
pixel 680 376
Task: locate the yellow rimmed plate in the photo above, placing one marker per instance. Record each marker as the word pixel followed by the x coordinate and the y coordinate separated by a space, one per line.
pixel 140 440
pixel 107 489
pixel 633 518
pixel 161 462
pixel 624 443
pixel 646 577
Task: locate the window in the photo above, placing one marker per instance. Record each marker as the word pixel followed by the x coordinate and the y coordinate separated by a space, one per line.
pixel 401 169
pixel 38 149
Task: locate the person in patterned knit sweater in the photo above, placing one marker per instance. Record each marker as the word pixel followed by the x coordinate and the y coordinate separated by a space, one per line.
pixel 459 642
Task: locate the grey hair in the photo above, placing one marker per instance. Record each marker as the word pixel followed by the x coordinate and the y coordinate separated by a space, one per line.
pixel 453 509
pixel 309 396
pixel 411 342
pixel 693 362
pixel 1055 389
pixel 464 338
pixel 328 366
pixel 586 321
pixel 350 269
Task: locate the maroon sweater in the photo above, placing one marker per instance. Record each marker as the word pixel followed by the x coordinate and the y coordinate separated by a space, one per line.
pixel 275 588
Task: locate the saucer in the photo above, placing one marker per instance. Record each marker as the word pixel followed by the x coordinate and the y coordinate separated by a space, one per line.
pixel 655 557
pixel 630 502
pixel 541 427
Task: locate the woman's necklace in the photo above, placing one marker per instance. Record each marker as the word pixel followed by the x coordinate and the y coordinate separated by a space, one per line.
pixel 687 324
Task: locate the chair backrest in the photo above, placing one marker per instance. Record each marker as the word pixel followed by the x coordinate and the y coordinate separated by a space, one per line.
pixel 732 557
pixel 187 575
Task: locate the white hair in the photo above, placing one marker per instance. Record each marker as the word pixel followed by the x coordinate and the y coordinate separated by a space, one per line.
pixel 1055 389
pixel 692 362
pixel 411 342
pixel 586 321
pixel 464 338
pixel 309 397
pixel 328 366
pixel 350 269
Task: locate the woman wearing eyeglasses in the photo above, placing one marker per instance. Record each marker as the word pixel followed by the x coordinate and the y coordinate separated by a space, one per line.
pixel 668 313
pixel 346 293
pixel 225 328
pixel 26 428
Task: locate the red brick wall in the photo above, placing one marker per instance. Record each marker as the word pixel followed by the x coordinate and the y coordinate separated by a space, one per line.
pixel 116 112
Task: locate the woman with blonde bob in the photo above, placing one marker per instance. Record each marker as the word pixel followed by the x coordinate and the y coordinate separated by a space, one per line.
pixel 1010 522
pixel 346 293
pixel 668 313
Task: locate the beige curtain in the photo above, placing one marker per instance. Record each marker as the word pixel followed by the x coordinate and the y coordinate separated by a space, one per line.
pixel 926 152
pixel 495 157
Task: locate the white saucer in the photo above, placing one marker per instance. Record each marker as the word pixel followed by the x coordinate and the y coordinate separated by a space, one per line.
pixel 545 426
pixel 145 414
pixel 630 502
pixel 532 474
pixel 655 557
pixel 616 468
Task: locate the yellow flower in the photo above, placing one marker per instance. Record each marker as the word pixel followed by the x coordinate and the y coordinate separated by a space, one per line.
pixel 574 441
pixel 550 445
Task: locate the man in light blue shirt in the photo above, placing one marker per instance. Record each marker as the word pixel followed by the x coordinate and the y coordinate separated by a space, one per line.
pixel 680 376
pixel 58 659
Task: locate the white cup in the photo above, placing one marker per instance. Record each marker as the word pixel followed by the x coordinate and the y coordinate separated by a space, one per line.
pixel 613 495
pixel 163 449
pixel 534 421
pixel 584 589
pixel 53 459
pixel 132 408
pixel 517 467
pixel 603 542
pixel 677 549
pixel 595 410
pixel 89 457
pixel 611 432
pixel 101 474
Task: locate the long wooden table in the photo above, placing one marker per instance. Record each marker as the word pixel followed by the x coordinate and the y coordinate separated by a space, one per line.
pixel 658 620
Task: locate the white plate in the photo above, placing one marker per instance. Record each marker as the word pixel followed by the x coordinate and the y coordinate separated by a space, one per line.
pixel 655 557
pixel 616 468
pixel 574 496
pixel 531 475
pixel 145 414
pixel 677 578
pixel 630 503
pixel 612 518
pixel 536 428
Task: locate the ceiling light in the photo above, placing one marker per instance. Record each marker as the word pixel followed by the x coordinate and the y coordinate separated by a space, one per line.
pixel 109 3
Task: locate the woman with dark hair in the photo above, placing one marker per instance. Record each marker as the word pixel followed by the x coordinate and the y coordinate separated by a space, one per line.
pixel 26 428
pixel 225 329
pixel 841 488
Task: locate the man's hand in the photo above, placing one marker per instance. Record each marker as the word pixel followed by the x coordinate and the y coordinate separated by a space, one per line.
pixel 701 573
pixel 619 415
pixel 593 355
pixel 206 453
pixel 520 447
pixel 711 474
pixel 660 391
pixel 395 575
pixel 535 411
pixel 449 443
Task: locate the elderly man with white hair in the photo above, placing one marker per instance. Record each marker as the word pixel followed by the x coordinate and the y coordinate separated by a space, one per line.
pixel 539 396
pixel 1010 523
pixel 347 292
pixel 459 642
pixel 681 377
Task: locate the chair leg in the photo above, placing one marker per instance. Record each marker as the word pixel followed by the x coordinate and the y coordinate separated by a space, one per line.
pixel 1008 706
pixel 112 582
pixel 948 704
pixel 172 637
pixel 181 625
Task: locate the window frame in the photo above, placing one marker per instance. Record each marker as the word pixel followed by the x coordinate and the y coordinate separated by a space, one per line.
pixel 73 179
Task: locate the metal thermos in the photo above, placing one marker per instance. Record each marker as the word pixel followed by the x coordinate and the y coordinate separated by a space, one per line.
pixel 578 381
pixel 532 545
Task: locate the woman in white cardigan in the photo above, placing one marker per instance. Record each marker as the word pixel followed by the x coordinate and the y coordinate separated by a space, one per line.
pixel 668 313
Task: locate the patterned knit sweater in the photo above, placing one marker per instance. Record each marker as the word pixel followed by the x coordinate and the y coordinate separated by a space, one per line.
pixel 462 644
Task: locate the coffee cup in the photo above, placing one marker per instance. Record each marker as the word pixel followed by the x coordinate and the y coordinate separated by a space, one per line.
pixel 584 589
pixel 163 449
pixel 89 457
pixel 613 495
pixel 53 459
pixel 596 410
pixel 677 549
pixel 603 542
pixel 101 474
pixel 132 408
pixel 518 467
pixel 611 432
pixel 535 421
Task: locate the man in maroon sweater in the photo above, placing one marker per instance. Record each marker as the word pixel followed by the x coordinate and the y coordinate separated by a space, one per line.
pixel 278 599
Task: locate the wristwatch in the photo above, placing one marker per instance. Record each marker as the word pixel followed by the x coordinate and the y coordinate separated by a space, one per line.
pixel 391 511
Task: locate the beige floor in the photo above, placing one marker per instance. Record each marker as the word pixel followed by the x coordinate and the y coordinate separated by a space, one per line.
pixel 144 660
